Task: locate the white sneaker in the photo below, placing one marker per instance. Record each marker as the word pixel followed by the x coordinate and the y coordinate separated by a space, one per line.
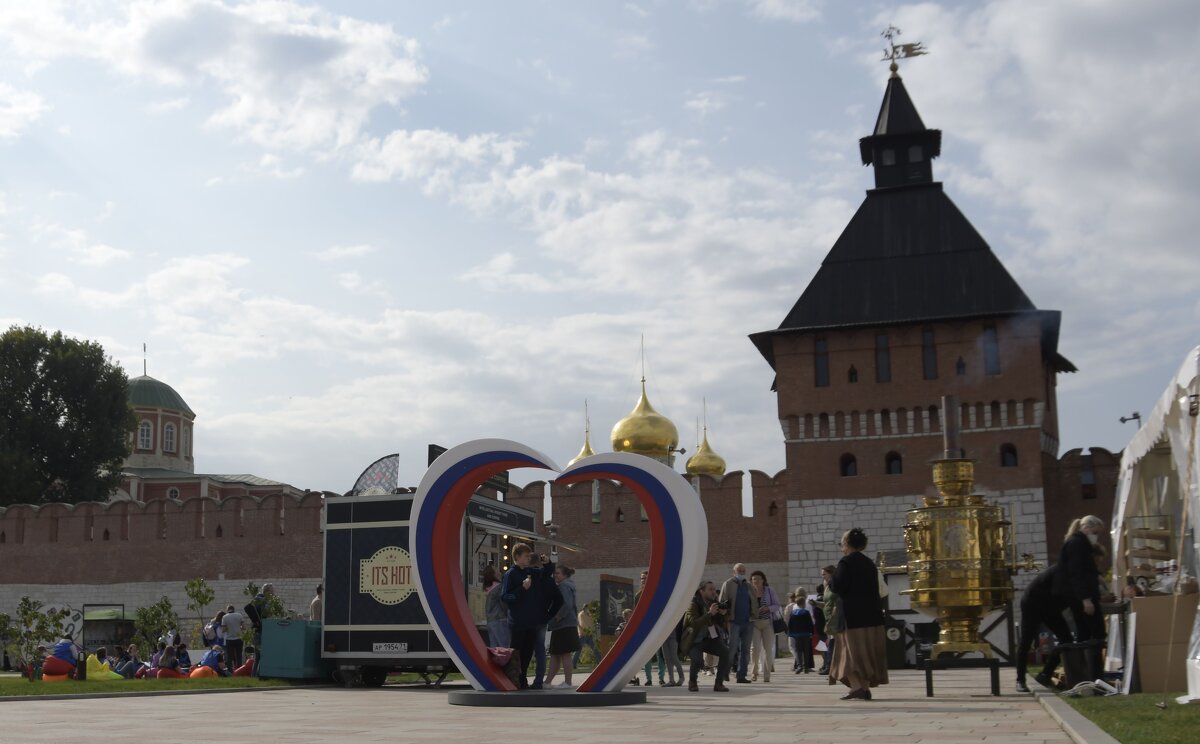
pixel 564 686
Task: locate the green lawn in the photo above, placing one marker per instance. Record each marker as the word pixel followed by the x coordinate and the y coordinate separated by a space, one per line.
pixel 17 686
pixel 1134 719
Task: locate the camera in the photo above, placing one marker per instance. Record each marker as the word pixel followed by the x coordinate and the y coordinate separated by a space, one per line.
pixel 723 606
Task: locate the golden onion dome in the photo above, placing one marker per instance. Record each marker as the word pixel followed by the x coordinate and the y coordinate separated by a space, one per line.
pixel 705 461
pixel 645 431
pixel 587 450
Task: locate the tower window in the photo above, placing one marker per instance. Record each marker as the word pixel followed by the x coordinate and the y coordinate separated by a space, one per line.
pixel 620 514
pixel 169 438
pixel 821 362
pixel 887 157
pixel 1008 456
pixel 915 154
pixel 848 465
pixel 106 535
pixel 960 367
pixel 145 435
pixel 991 351
pixel 883 359
pixel 219 532
pixel 893 463
pixel 187 442
pixel 928 354
pixel 172 493
pixel 852 375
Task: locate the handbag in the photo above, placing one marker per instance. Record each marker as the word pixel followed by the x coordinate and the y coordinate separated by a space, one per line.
pixel 779 625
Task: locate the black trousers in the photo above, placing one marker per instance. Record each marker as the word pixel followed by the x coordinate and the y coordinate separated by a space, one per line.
pixel 1034 615
pixel 1090 629
pixel 523 640
pixel 712 646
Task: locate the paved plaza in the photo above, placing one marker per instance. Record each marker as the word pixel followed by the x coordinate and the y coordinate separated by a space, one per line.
pixel 791 708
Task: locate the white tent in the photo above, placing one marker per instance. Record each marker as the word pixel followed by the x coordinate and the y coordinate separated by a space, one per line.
pixel 1159 471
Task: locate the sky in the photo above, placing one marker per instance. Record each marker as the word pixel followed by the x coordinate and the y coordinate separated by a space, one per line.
pixel 348 229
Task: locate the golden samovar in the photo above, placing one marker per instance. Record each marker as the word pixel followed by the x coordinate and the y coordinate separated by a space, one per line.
pixel 958 546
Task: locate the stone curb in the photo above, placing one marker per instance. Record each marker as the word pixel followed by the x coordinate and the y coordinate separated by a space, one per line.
pixel 1074 724
pixel 152 693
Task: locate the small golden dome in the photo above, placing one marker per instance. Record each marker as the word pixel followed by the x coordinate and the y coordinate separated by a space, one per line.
pixel 645 432
pixel 587 450
pixel 705 461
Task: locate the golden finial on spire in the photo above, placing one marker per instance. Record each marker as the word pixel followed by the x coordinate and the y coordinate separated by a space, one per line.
pixel 587 450
pixel 896 51
pixel 706 461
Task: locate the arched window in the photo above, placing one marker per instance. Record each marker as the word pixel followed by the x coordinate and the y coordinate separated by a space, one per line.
pixel 960 367
pixel 935 420
pixel 995 411
pixel 620 515
pixel 885 421
pixel 105 536
pixel 848 466
pixel 887 157
pixel 773 509
pixel 852 375
pixel 172 493
pixel 169 438
pixel 893 464
pixel 1008 456
pixel 3 538
pixel 187 442
pixel 220 532
pixel 145 435
pixel 823 425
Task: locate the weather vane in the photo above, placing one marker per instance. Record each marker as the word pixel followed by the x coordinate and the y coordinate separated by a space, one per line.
pixel 896 51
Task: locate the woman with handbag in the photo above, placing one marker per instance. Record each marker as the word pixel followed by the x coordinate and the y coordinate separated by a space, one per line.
pixel 770 612
pixel 860 654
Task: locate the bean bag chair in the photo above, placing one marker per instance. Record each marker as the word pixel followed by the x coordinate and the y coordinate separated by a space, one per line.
pixel 245 670
pixel 55 666
pixel 164 673
pixel 54 677
pixel 202 671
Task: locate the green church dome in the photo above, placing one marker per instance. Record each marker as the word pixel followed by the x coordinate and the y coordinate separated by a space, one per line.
pixel 147 392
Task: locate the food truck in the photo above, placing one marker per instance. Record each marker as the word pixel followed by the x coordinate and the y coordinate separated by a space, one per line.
pixel 373 623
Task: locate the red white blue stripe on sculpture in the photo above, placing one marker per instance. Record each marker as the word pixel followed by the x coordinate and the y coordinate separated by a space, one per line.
pixel 678 546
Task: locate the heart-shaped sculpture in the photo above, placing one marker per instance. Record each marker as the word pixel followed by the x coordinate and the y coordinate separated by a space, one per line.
pixel 678 546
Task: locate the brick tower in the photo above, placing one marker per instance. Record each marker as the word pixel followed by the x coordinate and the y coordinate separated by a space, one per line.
pixel 908 305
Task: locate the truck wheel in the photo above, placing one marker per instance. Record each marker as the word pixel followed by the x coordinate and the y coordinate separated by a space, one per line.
pixel 373 676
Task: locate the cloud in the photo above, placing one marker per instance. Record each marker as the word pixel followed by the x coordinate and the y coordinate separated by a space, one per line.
pixel 163 107
pixel 338 252
pixel 18 110
pixel 291 76
pixel 630 45
pixel 796 11
pixel 100 254
pixel 705 103
pixel 431 156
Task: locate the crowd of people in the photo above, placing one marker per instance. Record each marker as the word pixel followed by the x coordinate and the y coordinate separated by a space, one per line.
pixel 730 628
pixel 225 653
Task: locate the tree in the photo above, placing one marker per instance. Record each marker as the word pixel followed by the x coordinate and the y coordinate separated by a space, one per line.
pixel 200 595
pixel 32 628
pixel 275 606
pixel 151 623
pixel 65 419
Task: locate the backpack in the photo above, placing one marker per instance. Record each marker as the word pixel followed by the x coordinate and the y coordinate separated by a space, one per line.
pixel 210 634
pixel 800 622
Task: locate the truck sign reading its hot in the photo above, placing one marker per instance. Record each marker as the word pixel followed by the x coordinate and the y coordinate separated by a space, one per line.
pixel 387 575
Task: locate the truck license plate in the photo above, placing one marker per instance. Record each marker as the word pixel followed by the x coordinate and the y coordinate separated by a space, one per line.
pixel 389 648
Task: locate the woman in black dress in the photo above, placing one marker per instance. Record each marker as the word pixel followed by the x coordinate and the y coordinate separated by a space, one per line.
pixel 1077 584
pixel 860 654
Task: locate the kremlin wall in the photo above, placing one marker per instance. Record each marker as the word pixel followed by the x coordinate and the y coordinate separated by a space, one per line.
pixel 910 304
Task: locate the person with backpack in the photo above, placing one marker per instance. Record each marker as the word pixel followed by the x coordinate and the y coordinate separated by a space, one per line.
pixel 212 632
pixel 799 615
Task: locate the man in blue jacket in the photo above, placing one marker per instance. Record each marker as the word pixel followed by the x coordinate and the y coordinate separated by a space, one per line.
pixel 532 599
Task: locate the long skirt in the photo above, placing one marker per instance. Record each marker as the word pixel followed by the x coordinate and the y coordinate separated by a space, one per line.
pixel 860 658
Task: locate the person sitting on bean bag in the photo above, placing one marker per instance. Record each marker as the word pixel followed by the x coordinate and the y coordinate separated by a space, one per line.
pixel 62 659
pixel 185 659
pixel 212 665
pixel 151 671
pixel 247 669
pixel 98 668
pixel 168 665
